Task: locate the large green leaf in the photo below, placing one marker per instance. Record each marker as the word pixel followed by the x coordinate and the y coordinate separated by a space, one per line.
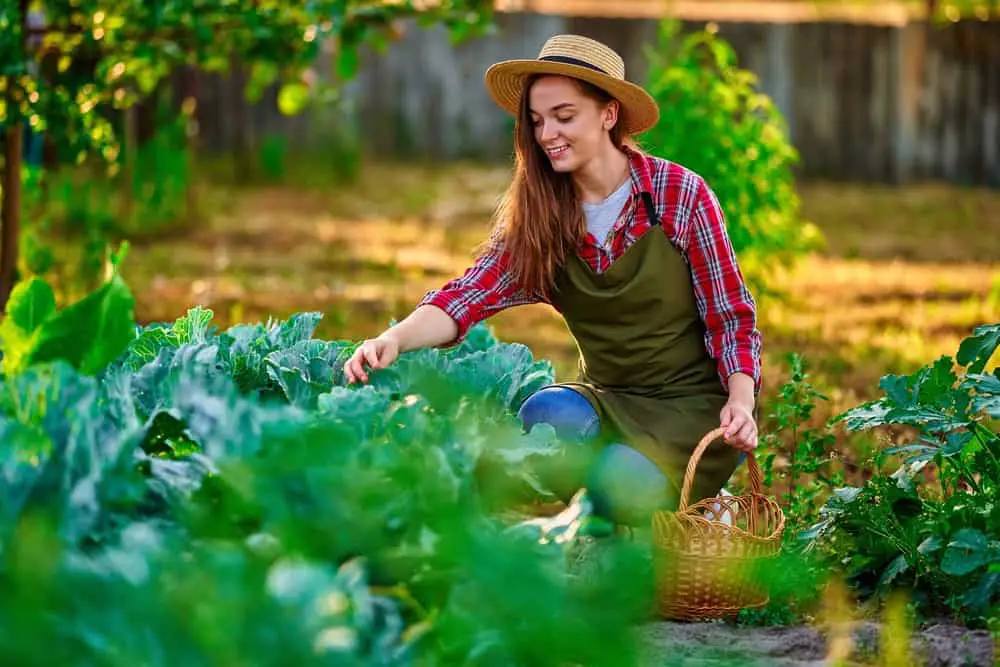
pixel 31 303
pixel 986 392
pixel 926 398
pixel 79 452
pixel 306 369
pixel 195 326
pixel 976 350
pixel 90 333
pixel 981 596
pixel 968 550
pixel 147 345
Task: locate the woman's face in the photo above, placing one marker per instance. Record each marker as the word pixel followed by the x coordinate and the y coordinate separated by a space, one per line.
pixel 571 127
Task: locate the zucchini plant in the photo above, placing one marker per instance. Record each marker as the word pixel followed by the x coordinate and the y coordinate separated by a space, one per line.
pixel 933 526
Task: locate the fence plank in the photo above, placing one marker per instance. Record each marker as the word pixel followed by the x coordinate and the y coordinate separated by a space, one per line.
pixel 991 111
pixel 873 102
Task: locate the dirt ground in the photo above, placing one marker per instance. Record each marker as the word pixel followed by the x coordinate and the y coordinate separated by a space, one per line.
pixel 725 645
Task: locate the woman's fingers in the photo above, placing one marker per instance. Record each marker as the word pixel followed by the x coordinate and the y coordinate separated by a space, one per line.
pixel 740 429
pixel 736 420
pixel 371 355
pixel 354 369
pixel 746 439
pixel 726 418
pixel 351 369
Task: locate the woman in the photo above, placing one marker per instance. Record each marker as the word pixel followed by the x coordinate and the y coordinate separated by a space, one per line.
pixel 632 250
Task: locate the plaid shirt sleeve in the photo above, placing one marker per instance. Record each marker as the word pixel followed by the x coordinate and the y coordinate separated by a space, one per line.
pixel 725 302
pixel 485 289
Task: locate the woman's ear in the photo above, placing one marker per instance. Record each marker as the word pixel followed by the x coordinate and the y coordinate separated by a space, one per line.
pixel 610 114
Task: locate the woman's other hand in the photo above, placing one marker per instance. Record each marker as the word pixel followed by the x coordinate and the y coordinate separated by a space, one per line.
pixel 740 429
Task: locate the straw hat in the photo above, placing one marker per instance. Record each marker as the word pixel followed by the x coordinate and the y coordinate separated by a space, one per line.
pixel 582 58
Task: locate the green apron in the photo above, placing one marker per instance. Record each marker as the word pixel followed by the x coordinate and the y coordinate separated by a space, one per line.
pixel 643 362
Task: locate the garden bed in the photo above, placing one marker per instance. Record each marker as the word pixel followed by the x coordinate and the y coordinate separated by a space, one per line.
pixel 724 645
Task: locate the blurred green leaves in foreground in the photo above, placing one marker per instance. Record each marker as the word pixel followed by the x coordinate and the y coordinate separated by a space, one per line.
pixel 174 494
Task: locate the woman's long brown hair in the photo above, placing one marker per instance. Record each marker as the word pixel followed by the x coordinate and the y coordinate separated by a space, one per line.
pixel 539 222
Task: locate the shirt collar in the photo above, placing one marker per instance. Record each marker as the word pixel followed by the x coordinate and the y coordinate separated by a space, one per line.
pixel 639 166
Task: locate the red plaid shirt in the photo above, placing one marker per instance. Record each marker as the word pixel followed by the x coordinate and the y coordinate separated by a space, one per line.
pixel 693 221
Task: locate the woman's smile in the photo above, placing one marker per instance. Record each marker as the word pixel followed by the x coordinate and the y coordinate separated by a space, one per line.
pixel 557 152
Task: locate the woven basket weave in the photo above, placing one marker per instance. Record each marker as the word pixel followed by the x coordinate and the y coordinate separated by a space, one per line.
pixel 704 563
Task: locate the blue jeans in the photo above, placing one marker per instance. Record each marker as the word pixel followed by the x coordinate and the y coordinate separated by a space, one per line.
pixel 624 485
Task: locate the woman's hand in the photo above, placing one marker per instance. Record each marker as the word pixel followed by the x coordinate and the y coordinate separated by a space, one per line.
pixel 740 429
pixel 376 353
pixel 427 326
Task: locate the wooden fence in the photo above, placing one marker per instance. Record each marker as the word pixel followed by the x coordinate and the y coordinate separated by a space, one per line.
pixel 878 103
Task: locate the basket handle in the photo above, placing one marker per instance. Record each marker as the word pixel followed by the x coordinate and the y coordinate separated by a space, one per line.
pixel 756 478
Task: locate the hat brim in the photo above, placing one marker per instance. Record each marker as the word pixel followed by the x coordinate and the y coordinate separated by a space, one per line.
pixel 505 83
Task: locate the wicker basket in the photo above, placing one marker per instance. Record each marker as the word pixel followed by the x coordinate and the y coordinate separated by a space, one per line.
pixel 704 564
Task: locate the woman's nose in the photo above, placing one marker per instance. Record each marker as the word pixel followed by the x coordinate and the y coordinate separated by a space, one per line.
pixel 549 130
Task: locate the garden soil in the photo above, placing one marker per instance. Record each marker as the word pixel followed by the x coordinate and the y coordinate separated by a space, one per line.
pixel 725 645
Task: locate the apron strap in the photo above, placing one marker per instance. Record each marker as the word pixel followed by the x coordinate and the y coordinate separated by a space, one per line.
pixel 647 199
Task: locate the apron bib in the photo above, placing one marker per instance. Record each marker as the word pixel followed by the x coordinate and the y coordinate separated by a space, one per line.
pixel 643 362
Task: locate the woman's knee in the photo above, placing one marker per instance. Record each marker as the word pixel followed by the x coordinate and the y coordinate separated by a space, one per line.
pixel 567 411
pixel 627 487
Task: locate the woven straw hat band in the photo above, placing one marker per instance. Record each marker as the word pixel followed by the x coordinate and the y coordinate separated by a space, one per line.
pixel 576 50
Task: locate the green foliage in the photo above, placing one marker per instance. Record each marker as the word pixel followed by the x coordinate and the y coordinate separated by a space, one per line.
pixel 108 53
pixel 273 157
pixel 806 463
pixel 160 181
pixel 99 57
pixel 940 10
pixel 220 497
pixel 88 334
pixel 799 468
pixel 717 123
pixel 334 155
pixel 928 528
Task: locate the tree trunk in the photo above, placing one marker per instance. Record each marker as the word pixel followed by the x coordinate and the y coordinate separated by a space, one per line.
pixel 10 207
pixel 10 212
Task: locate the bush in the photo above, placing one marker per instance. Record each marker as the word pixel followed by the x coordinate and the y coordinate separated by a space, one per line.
pixel 716 122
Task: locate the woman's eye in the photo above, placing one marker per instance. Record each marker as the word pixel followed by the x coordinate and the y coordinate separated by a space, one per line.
pixel 565 119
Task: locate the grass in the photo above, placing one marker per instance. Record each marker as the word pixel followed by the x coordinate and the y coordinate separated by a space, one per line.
pixel 929 223
pixel 907 272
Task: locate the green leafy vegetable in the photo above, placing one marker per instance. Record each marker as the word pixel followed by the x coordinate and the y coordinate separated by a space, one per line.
pixel 88 334
pixel 930 532
pixel 175 494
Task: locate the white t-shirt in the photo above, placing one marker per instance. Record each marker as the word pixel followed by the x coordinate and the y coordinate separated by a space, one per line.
pixel 601 216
